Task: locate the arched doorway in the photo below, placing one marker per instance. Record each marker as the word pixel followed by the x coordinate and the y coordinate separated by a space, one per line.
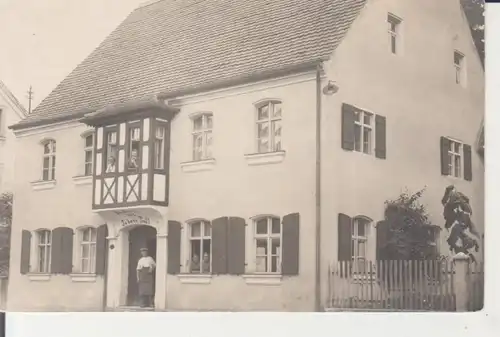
pixel 138 237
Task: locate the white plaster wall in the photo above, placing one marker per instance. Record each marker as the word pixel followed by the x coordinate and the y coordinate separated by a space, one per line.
pixel 417 93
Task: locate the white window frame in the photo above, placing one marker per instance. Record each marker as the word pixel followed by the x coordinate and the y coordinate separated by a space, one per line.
pixel 159 145
pixel 270 121
pixel 111 149
pixel 269 237
pixel 203 225
pixel 88 149
pixel 204 132
pixel 51 155
pixel 459 67
pixel 92 249
pixel 394 34
pixel 360 122
pixel 356 239
pixel 45 241
pixel 452 155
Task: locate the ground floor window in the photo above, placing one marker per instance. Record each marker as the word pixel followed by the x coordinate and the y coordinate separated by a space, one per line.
pixel 200 247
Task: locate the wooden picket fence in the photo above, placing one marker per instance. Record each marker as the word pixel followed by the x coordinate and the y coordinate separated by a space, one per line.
pixel 392 285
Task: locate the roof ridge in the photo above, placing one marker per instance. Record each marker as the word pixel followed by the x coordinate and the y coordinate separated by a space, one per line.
pixel 13 98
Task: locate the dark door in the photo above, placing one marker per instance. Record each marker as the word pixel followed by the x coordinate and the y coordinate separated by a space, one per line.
pixel 140 237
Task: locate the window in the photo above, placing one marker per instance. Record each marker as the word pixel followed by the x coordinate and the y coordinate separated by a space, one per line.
pixel 435 234
pixel 200 256
pixel 394 25
pixel 363 131
pixel 359 238
pixel 44 251
pixel 269 127
pixel 88 250
pixel 202 137
pixel 88 154
pixel 49 160
pixel 159 147
pixel 134 148
pixel 267 245
pixel 455 158
pixel 459 62
pixel 111 151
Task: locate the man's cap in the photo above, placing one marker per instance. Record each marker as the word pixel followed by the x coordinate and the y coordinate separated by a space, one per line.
pixel 144 249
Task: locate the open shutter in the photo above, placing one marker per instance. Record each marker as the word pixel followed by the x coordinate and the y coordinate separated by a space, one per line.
pixel 445 145
pixel 467 162
pixel 291 244
pixel 25 251
pixel 219 245
pixel 344 244
pixel 101 249
pixel 66 260
pixel 56 250
pixel 380 137
pixel 174 248
pixel 382 240
pixel 236 246
pixel 347 127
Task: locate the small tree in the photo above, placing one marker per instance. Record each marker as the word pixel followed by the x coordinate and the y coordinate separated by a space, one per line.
pixel 410 233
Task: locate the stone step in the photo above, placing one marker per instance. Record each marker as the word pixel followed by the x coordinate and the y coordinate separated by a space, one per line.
pixel 130 309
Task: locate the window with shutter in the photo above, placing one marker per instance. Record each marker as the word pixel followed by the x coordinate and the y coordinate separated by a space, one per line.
pixel 267 244
pixel 61 251
pixel 101 253
pixel 174 247
pixel 200 246
pixel 25 251
pixel 236 246
pixel 44 250
pixel 380 137
pixel 291 244
pixel 219 245
pixel 456 159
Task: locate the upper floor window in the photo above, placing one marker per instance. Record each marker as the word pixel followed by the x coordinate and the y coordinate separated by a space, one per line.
pixel 269 127
pixel 111 151
pixel 394 30
pixel 159 148
pixel 202 137
pixel 44 249
pixel 87 250
pixel 134 148
pixel 200 239
pixel 459 63
pixel 88 151
pixel 49 160
pixel 267 243
pixel 456 159
pixel 363 126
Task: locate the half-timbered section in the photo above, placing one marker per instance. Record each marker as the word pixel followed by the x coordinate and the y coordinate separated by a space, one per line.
pixel 131 151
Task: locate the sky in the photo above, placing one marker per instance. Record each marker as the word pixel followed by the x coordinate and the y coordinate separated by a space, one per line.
pixel 42 41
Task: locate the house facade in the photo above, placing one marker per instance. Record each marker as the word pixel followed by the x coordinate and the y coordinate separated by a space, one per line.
pixel 247 156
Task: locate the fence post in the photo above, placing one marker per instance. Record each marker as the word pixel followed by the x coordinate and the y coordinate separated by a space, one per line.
pixel 461 262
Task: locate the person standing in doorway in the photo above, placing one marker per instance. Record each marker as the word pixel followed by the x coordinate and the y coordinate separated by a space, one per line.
pixel 145 268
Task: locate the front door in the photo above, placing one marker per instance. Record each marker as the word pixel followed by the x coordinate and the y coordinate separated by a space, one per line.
pixel 139 237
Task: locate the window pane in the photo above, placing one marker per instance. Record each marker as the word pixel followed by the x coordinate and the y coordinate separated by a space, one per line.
pixel 85 251
pixel 85 266
pixel 93 235
pixel 457 147
pixel 198 123
pixel 277 110
pixel 353 246
pixel 196 229
pixel 209 121
pixel 357 137
pixel 275 247
pixel 261 247
pixel 367 133
pixel 88 169
pixel 361 248
pixel 263 112
pixel 367 118
pixel 208 149
pixel 207 229
pixel 277 135
pixel 88 156
pixel 276 226
pixel 41 258
pixel 457 58
pixel 261 264
pixel 46 148
pixel 275 261
pixel 46 162
pixel 160 132
pixel 86 235
pixel 261 226
pixel 357 116
pixel 458 166
pixel 197 149
pixel 361 227
pixel 89 141
pixel 393 44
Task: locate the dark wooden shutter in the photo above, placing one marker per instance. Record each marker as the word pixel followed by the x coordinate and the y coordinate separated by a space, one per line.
pixel 291 244
pixel 56 250
pixel 445 145
pixel 467 162
pixel 382 229
pixel 236 246
pixel 101 249
pixel 174 248
pixel 344 237
pixel 66 259
pixel 380 137
pixel 347 127
pixel 25 251
pixel 219 245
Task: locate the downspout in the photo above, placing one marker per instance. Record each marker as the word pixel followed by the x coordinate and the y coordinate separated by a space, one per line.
pixel 318 190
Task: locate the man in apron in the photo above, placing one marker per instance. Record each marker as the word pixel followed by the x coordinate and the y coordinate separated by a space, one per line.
pixel 145 268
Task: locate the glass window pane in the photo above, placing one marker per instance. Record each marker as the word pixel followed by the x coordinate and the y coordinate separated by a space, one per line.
pixel 275 261
pixel 198 123
pixel 196 229
pixel 277 110
pixel 46 148
pixel 366 140
pixel 361 248
pixel 89 141
pixel 160 132
pixel 198 147
pixel 209 121
pixel 208 145
pixel 458 166
pixel 276 125
pixel 207 229
pixel 393 44
pixel 53 146
pixel 457 147
pixel 357 116
pixel 86 235
pixel 85 266
pixel 85 251
pixel 457 58
pixel 276 226
pixel 261 247
pixel 261 226
pixel 367 118
pixel 261 264
pixel 263 112
pixel 275 247
pixel 46 162
pixel 353 246
pixel 361 227
pixel 357 137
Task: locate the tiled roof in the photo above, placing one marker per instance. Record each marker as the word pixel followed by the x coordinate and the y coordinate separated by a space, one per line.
pixel 172 45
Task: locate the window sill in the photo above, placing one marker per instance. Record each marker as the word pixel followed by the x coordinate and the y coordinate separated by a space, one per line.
pixel 39 277
pixel 82 180
pixel 83 277
pixel 264 279
pixel 265 158
pixel 198 165
pixel 43 185
pixel 195 278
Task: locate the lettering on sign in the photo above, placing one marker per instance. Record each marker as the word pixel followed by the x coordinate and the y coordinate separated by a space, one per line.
pixel 135 219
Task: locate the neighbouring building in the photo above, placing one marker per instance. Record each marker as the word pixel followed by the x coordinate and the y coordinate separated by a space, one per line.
pixel 11 112
pixel 264 136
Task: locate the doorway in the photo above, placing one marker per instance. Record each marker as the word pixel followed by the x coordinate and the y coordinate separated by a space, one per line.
pixel 139 237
